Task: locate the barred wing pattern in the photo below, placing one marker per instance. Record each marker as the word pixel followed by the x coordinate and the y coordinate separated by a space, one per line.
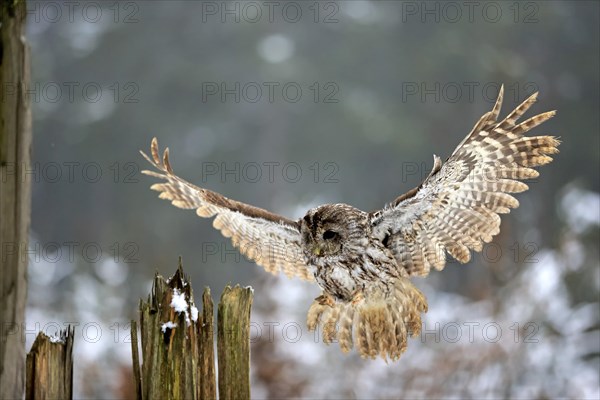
pixel 270 240
pixel 456 208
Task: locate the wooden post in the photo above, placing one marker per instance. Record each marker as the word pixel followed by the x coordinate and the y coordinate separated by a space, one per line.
pixel 178 345
pixel 135 355
pixel 50 367
pixel 177 361
pixel 208 383
pixel 233 343
pixel 15 195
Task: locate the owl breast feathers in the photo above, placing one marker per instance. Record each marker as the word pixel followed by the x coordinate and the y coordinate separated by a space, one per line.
pixel 363 260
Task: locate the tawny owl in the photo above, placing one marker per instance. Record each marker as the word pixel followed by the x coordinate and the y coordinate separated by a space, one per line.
pixel 363 260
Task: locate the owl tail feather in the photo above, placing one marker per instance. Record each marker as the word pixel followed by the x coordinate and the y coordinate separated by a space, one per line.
pixel 378 321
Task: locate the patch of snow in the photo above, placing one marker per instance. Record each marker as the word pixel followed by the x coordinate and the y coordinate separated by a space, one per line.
pixel 167 325
pixel 194 312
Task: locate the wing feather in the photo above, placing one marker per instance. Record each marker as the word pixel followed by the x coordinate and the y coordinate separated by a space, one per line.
pixel 270 240
pixel 456 208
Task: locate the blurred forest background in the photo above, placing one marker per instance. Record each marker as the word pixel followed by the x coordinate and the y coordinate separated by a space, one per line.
pixel 288 105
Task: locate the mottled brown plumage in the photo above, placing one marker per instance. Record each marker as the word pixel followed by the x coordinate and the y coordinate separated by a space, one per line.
pixel 363 261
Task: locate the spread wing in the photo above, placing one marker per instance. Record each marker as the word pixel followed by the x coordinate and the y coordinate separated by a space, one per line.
pixel 270 240
pixel 456 208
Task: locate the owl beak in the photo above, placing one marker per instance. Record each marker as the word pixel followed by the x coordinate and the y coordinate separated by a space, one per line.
pixel 317 250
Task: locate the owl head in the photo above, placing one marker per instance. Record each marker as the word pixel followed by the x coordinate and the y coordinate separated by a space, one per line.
pixel 327 229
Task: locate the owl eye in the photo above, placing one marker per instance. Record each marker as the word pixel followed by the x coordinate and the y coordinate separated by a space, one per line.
pixel 327 235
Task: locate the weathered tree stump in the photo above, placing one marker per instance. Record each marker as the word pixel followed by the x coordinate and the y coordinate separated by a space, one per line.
pixel 178 343
pixel 50 367
pixel 208 386
pixel 15 194
pixel 233 343
pixel 171 341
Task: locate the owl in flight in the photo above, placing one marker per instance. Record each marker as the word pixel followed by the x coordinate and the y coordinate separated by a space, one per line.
pixel 363 261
